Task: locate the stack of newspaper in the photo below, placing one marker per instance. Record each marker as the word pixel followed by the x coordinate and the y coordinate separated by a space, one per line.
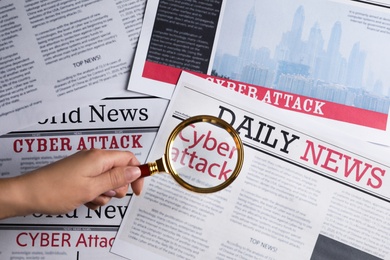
pixel 304 83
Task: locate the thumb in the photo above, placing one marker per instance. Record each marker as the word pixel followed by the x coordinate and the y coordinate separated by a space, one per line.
pixel 118 177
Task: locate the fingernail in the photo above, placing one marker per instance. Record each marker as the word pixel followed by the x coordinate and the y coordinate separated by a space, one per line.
pixel 132 173
pixel 110 193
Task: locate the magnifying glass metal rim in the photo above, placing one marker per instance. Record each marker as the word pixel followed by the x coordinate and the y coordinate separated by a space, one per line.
pixel 162 165
pixel 215 121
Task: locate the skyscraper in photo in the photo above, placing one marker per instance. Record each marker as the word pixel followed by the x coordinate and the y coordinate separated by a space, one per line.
pixel 290 47
pixel 333 57
pixel 244 54
pixel 314 46
pixel 355 67
pixel 295 36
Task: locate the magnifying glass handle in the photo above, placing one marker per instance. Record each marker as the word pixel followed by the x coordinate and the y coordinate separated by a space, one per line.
pixel 150 168
pixel 145 170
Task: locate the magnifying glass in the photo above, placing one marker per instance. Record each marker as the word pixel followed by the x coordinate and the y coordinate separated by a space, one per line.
pixel 203 154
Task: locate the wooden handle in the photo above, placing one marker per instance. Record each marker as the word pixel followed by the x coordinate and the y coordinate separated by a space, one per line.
pixel 145 170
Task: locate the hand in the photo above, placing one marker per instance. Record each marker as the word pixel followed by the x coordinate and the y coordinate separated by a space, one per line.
pixel 89 177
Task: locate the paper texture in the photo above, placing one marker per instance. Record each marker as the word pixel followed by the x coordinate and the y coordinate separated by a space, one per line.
pixel 125 123
pixel 325 59
pixel 299 191
pixel 73 52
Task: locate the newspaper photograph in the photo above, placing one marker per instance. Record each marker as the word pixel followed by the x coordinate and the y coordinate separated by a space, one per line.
pixel 325 59
pixel 116 123
pixel 75 52
pixel 306 191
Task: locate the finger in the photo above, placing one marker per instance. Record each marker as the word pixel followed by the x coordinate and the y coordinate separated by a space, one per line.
pixel 117 193
pixel 137 186
pixel 134 161
pixel 107 159
pixel 91 206
pixel 119 158
pixel 100 200
pixel 110 193
pixel 116 178
pixel 121 191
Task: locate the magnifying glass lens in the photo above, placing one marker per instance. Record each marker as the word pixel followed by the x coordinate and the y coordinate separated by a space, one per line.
pixel 203 155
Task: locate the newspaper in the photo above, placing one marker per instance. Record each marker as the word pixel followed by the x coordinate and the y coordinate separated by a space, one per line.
pixel 325 59
pixel 305 191
pixel 63 52
pixel 126 123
